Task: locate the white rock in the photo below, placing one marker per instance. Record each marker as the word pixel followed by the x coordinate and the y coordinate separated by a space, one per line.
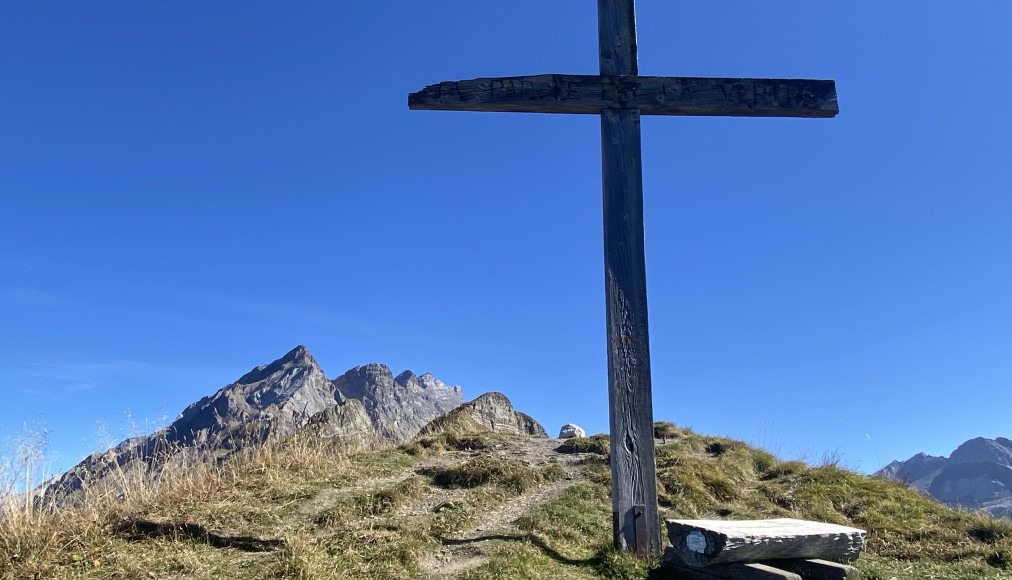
pixel 569 431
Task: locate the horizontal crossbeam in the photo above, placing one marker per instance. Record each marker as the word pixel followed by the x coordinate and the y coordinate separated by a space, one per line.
pixel 591 94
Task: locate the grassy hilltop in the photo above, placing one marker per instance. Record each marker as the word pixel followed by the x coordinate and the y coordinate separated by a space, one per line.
pixel 470 506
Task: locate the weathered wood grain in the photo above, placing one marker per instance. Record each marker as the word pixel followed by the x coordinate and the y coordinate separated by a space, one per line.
pixel 616 37
pixel 633 472
pixel 708 542
pixel 629 391
pixel 651 95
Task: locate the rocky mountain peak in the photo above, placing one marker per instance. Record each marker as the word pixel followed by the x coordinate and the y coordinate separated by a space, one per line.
pixel 298 357
pixel 406 377
pixel 399 406
pixel 376 370
pixel 290 394
pixel 284 394
pixel 977 475
pixel 272 400
pixel 427 381
pixel 981 450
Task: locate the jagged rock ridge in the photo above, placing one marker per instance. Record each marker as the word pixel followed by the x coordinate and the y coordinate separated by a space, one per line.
pixel 489 412
pixel 977 475
pixel 275 400
pixel 398 406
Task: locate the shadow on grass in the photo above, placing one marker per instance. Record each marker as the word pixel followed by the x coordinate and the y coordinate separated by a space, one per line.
pixel 138 530
pixel 597 562
pixel 663 572
pixel 533 539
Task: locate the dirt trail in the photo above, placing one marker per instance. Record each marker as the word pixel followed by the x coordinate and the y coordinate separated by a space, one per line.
pixel 327 497
pixel 455 558
pixel 465 549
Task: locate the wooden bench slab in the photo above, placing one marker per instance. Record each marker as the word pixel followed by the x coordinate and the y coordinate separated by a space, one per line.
pixel 707 542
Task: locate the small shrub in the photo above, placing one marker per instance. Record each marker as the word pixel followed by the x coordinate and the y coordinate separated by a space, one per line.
pixel 599 444
pixel 716 448
pixel 664 430
pixel 990 530
pixel 719 446
pixel 782 469
pixel 376 503
pixel 763 462
pixel 471 442
pixel 552 472
pixel 455 442
pixel 1001 559
pixel 411 449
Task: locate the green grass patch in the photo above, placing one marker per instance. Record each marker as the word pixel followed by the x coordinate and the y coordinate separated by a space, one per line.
pixel 664 429
pixel 599 444
pixel 909 535
pixel 255 500
pixel 373 502
pixel 492 470
pixel 383 463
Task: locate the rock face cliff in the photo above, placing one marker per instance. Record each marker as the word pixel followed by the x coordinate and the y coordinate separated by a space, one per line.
pixel 276 398
pixel 398 406
pixel 274 401
pixel 977 475
pixel 489 412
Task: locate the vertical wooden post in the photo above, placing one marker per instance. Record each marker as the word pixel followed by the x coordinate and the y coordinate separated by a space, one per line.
pixel 634 485
pixel 634 488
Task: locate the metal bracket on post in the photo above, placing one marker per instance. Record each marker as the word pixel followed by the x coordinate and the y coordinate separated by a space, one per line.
pixel 642 541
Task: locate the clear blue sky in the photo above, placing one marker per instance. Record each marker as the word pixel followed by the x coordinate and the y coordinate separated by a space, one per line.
pixel 191 189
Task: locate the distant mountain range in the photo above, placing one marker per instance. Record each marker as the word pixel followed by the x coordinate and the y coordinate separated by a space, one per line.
pixel 364 406
pixel 977 475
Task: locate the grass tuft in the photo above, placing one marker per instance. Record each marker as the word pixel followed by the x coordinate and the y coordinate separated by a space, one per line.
pixel 599 444
pixel 485 470
pixel 664 430
pixel 245 518
pixel 448 441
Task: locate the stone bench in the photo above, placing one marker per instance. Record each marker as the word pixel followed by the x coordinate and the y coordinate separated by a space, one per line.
pixel 782 549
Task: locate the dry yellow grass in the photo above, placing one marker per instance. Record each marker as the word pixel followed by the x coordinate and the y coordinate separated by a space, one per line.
pixel 247 518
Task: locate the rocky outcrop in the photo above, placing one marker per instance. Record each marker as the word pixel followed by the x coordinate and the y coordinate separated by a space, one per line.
pixel 348 422
pixel 273 401
pixel 571 431
pixel 277 398
pixel 1001 508
pixel 489 412
pixel 399 406
pixel 977 475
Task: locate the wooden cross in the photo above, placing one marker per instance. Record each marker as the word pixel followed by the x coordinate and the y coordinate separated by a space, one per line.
pixel 620 96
